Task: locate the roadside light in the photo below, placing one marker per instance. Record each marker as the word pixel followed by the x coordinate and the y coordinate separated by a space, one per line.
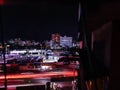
pixel 8 46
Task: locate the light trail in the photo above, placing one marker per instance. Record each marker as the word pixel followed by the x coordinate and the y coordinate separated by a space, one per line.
pixel 41 75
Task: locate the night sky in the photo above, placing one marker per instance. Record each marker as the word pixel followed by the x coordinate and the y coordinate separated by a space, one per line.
pixel 37 21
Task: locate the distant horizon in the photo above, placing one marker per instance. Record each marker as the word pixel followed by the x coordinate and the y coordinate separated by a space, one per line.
pixel 44 40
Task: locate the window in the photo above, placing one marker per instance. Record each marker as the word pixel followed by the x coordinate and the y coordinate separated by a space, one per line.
pixel 38 26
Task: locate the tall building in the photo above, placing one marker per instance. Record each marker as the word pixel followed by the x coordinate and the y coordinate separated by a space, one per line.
pixel 66 41
pixel 55 43
pixel 56 38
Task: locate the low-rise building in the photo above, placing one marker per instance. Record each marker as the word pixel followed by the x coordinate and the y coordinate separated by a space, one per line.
pixel 66 41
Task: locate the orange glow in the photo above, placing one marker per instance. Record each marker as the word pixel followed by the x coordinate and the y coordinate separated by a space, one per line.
pixel 0 46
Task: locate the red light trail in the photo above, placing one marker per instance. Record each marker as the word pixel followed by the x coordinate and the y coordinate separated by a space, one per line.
pixel 41 75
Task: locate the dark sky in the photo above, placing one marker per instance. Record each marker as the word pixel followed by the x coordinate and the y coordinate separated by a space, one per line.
pixel 37 21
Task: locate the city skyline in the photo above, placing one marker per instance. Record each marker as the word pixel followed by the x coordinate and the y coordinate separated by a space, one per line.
pixel 19 38
pixel 39 21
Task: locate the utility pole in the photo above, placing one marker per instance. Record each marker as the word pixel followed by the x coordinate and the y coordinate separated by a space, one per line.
pixel 80 38
pixel 3 42
pixel 85 65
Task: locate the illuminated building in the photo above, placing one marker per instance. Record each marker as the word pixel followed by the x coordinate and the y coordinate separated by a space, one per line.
pixel 56 38
pixel 66 41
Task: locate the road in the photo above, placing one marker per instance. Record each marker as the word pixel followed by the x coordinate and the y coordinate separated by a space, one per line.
pixel 31 78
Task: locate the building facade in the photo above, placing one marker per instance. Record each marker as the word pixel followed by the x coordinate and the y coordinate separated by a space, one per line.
pixel 66 41
pixel 56 38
